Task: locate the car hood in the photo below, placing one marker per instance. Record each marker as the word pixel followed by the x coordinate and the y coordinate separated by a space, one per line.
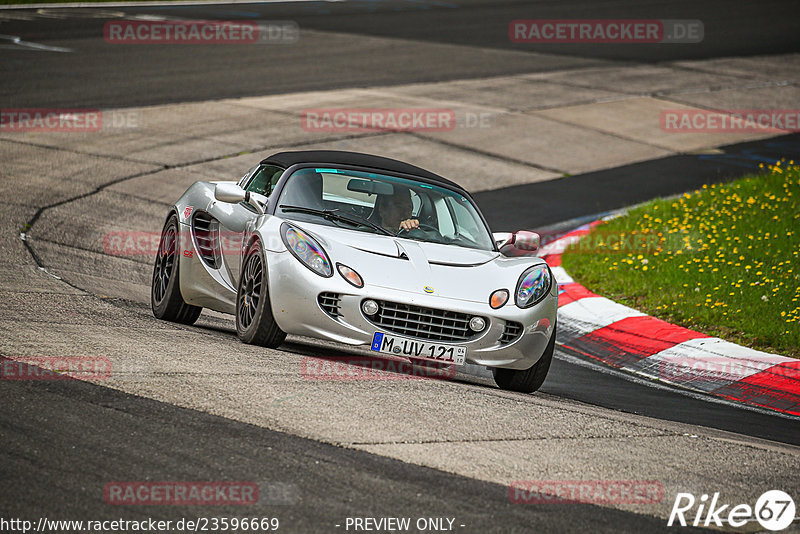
pixel 420 268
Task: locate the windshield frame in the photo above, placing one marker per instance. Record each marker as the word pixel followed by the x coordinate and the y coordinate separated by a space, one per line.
pixel 272 205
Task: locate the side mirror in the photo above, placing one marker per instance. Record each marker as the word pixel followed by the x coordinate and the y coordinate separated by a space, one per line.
pixel 233 194
pixel 520 241
pixel 230 193
pixel 525 240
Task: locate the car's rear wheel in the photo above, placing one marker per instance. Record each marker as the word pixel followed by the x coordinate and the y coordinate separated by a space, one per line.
pixel 528 380
pixel 166 300
pixel 255 323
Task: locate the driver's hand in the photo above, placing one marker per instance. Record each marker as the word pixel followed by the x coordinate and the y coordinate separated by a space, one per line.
pixel 409 224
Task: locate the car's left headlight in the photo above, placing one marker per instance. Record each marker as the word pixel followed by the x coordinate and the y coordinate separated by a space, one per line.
pixel 533 286
pixel 304 248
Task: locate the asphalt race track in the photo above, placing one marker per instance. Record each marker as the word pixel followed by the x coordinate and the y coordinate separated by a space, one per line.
pixel 194 404
pixel 443 40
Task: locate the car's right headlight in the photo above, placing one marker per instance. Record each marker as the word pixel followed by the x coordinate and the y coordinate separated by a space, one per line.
pixel 304 248
pixel 533 286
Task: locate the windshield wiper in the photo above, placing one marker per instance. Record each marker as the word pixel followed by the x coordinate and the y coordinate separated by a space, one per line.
pixel 332 214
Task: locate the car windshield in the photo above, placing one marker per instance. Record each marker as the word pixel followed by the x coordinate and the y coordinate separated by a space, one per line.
pixel 380 204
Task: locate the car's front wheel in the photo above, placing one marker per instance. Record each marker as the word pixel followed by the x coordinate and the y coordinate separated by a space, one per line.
pixel 165 288
pixel 255 323
pixel 527 380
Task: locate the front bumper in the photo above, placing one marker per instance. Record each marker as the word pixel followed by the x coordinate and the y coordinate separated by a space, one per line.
pixel 294 290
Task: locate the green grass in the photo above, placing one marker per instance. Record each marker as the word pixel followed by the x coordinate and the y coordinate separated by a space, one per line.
pixel 724 260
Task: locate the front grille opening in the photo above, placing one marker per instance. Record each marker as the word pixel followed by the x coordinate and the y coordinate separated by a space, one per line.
pixel 421 322
pixel 511 332
pixel 330 303
pixel 206 238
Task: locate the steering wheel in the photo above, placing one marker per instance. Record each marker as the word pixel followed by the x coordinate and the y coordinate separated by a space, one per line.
pixel 422 227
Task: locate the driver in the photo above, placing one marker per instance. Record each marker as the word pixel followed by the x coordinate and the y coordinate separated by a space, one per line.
pixel 393 212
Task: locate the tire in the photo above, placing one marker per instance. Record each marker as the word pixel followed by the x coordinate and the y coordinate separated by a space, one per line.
pixel 166 300
pixel 528 380
pixel 255 324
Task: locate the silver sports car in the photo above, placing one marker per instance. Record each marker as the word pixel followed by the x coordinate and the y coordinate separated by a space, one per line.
pixel 361 250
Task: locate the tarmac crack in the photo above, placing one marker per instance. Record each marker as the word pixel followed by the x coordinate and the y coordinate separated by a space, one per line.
pixel 499 440
pixel 710 71
pixel 486 153
pixel 91 251
pixel 610 134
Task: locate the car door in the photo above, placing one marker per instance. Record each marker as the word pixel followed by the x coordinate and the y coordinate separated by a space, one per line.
pixel 235 221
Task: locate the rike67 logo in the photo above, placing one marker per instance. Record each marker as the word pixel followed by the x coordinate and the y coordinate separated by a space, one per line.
pixel 774 510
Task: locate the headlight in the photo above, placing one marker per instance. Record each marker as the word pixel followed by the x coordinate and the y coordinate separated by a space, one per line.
pixel 305 249
pixel 533 286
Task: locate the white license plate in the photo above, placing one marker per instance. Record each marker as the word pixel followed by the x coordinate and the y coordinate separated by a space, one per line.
pixel 423 350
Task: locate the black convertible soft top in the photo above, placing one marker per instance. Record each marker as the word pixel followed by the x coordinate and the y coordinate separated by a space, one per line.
pixel 341 157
